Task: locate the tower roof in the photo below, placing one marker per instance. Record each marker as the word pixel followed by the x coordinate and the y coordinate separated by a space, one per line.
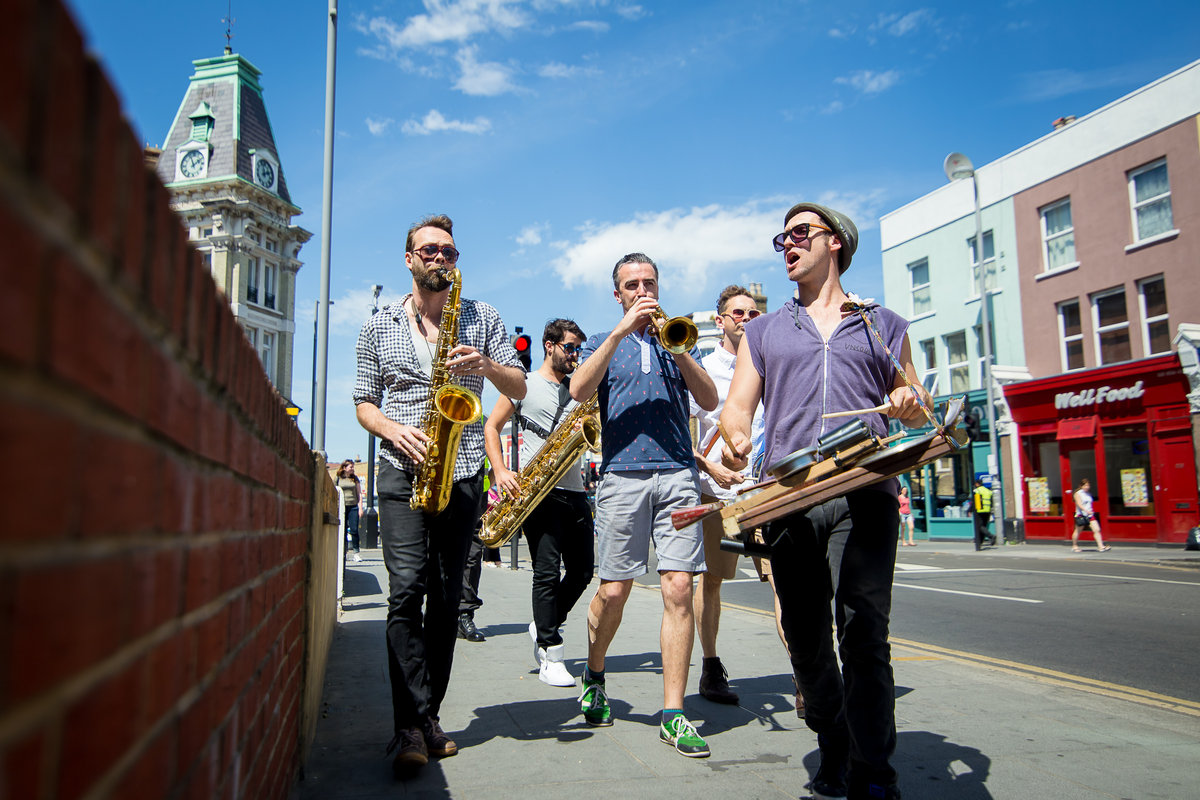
pixel 226 89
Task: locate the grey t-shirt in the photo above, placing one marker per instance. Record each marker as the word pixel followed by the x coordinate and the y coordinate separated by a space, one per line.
pixel 546 405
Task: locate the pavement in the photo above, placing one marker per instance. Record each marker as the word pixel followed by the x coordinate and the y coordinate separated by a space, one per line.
pixel 966 729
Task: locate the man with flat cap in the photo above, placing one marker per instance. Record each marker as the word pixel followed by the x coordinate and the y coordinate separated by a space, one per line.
pixel 826 351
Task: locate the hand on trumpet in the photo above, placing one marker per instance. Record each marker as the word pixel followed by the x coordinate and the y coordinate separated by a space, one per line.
pixel 637 316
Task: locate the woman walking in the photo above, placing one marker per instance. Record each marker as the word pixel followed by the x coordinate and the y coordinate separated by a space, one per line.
pixel 352 498
pixel 1085 517
pixel 906 519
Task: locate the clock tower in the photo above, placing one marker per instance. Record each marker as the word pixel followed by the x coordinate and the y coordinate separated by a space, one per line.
pixel 223 169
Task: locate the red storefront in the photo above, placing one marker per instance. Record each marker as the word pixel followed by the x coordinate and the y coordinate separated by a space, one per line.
pixel 1127 429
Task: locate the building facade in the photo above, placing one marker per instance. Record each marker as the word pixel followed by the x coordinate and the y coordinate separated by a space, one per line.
pixel 1090 245
pixel 221 165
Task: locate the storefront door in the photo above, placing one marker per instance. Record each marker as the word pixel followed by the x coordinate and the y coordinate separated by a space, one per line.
pixel 1175 487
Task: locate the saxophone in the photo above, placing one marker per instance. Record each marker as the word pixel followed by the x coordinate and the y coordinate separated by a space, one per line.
pixel 579 431
pixel 451 407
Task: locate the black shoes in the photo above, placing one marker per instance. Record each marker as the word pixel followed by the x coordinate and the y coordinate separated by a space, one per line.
pixel 412 753
pixel 714 683
pixel 830 781
pixel 467 629
pixel 437 742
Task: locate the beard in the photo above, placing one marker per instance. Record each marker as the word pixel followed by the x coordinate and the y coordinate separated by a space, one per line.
pixel 431 279
pixel 563 364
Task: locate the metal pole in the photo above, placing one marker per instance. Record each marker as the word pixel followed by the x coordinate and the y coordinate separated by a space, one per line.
pixel 322 354
pixel 312 416
pixel 985 321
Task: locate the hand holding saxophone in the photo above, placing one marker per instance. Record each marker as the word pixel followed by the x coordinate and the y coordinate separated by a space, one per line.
pixel 409 440
pixel 466 360
pixel 506 481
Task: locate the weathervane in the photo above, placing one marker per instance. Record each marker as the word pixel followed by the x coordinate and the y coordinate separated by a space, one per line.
pixel 229 20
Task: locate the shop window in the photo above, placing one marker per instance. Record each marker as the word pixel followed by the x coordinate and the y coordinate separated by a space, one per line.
pixel 1043 483
pixel 952 484
pixel 957 363
pixel 1058 236
pixel 1111 322
pixel 1156 330
pixel 916 492
pixel 1127 463
pixel 930 375
pixel 1070 333
pixel 989 263
pixel 918 273
pixel 1150 201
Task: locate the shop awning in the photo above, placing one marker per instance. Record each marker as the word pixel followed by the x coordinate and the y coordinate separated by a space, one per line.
pixel 1084 428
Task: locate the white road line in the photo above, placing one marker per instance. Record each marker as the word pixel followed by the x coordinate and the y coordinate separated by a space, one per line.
pixel 968 594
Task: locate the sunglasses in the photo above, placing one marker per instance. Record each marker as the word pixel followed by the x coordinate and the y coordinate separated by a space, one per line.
pixel 570 349
pixel 737 315
pixel 430 251
pixel 798 234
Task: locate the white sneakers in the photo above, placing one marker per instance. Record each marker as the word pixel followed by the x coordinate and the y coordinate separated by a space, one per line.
pixel 551 669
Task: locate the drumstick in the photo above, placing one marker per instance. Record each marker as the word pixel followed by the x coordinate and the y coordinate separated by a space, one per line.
pixel 877 409
pixel 713 440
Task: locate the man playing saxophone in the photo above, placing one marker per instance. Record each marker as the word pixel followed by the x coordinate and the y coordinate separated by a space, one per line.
pixel 559 529
pixel 425 552
pixel 647 471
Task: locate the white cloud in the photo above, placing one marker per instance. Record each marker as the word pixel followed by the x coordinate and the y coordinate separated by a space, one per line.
pixel 595 26
pixel 630 12
pixel 449 22
pixel 903 24
pixel 531 235
pixel 434 122
pixel 352 308
pixel 378 127
pixel 870 82
pixel 834 107
pixel 487 79
pixel 557 70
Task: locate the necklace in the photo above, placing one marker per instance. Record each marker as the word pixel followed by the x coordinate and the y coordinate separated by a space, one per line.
pixel 421 330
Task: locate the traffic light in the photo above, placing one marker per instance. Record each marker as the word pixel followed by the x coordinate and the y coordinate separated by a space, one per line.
pixel 523 345
pixel 971 423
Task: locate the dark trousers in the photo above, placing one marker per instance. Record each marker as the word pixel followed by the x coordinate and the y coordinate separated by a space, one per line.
pixel 469 601
pixel 424 556
pixel 559 533
pixel 842 551
pixel 352 527
pixel 982 518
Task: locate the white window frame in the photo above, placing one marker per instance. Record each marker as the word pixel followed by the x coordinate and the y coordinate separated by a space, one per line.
pixel 266 352
pixel 1048 237
pixel 1134 205
pixel 989 265
pixel 252 335
pixel 1064 339
pixel 1148 320
pixel 957 365
pixel 929 377
pixel 1098 331
pixel 927 287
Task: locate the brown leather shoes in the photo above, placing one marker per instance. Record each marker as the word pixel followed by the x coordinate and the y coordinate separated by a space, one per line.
pixel 437 743
pixel 412 753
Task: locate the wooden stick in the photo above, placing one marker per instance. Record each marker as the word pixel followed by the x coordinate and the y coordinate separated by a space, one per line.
pixel 877 409
pixel 713 440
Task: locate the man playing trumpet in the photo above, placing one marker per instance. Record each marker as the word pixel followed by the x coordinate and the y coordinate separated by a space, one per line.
pixel 820 354
pixel 647 470
pixel 559 529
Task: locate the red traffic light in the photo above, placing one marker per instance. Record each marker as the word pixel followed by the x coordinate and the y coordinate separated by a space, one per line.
pixel 522 343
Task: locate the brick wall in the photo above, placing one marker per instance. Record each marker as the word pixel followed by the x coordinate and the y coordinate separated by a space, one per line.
pixel 156 634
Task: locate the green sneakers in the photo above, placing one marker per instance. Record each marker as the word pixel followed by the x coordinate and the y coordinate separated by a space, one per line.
pixel 594 703
pixel 681 734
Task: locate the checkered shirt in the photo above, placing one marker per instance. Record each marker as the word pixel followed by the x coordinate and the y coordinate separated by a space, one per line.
pixel 387 365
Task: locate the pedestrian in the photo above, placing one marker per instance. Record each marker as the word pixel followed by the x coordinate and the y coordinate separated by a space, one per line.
pixel 399 351
pixel 1086 517
pixel 982 506
pixel 470 601
pixel 353 500
pixel 906 518
pixel 647 471
pixel 825 351
pixel 558 530
pixel 735 307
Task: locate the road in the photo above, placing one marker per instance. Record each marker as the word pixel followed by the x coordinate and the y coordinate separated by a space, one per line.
pixel 1129 624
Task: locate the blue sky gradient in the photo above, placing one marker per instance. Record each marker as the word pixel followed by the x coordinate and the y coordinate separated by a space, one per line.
pixel 561 134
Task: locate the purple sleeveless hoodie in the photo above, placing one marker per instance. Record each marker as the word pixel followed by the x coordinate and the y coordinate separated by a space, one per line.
pixel 805 377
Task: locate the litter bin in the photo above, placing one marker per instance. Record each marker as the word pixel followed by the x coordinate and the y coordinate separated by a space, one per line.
pixel 1193 539
pixel 1014 530
pixel 370 529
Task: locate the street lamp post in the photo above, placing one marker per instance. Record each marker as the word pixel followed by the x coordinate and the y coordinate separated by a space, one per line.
pixel 312 420
pixel 957 167
pixel 371 518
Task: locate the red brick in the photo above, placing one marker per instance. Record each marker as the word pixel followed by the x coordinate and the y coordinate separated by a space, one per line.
pixel 92 344
pixel 153 772
pixel 18 62
pixel 181 289
pixel 202 780
pixel 213 423
pixel 120 498
pixel 98 730
pixel 22 766
pixel 29 432
pixel 22 273
pixel 106 181
pixel 157 589
pixel 182 398
pixel 135 231
pixel 165 675
pixel 195 729
pixel 203 575
pixel 176 507
pixel 61 144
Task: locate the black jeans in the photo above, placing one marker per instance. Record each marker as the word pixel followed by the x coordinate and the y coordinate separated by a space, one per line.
pixel 352 527
pixel 470 601
pixel 560 534
pixel 982 518
pixel 843 551
pixel 424 556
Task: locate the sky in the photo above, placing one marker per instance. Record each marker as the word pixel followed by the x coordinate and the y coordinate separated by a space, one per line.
pixel 561 134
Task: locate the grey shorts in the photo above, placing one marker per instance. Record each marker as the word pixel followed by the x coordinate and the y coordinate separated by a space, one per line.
pixel 633 506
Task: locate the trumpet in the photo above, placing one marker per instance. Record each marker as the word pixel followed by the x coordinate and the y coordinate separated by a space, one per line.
pixel 675 334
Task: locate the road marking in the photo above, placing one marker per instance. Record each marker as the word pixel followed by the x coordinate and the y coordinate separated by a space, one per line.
pixel 968 594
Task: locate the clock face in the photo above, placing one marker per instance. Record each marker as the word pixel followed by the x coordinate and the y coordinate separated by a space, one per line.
pixel 265 173
pixel 192 164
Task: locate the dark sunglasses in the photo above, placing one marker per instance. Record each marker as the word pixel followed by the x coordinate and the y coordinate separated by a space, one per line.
pixel 430 251
pixel 570 349
pixel 737 314
pixel 798 234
